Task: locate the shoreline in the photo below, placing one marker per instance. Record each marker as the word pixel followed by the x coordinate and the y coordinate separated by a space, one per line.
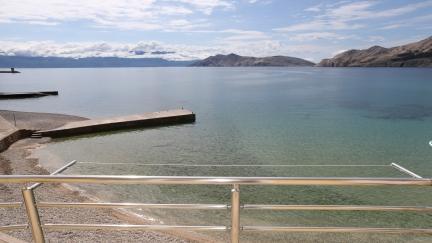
pixel 20 158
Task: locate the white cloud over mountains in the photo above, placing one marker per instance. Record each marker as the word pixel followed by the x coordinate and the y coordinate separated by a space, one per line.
pixel 102 49
pixel 153 49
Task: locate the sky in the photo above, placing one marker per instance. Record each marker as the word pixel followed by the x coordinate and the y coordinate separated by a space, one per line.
pixel 196 29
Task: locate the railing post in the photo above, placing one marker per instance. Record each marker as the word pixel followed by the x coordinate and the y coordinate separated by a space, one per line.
pixel 33 215
pixel 235 213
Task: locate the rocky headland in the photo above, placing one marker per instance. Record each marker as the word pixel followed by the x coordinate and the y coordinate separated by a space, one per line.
pixel 417 54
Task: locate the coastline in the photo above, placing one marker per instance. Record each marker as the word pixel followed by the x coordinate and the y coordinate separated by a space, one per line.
pixel 19 158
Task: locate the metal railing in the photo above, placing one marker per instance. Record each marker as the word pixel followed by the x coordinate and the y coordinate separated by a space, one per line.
pixel 235 228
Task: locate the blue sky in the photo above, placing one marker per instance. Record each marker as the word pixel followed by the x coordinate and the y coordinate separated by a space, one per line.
pixel 192 29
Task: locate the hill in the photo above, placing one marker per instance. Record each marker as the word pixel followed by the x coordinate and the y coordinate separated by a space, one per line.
pixel 233 60
pixel 417 54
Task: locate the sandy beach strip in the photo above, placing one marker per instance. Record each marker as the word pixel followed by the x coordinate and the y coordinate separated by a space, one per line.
pixel 16 160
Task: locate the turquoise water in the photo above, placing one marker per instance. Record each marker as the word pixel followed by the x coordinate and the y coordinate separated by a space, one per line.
pixel 286 116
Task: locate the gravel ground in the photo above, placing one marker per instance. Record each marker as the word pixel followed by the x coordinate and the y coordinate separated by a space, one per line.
pixel 15 161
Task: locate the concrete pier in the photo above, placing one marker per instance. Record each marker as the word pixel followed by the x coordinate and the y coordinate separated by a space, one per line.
pixel 23 95
pixel 12 70
pixel 151 119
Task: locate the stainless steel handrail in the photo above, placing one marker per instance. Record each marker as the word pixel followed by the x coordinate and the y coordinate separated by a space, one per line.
pixel 132 205
pixel 10 205
pixel 13 227
pixel 131 227
pixel 235 228
pixel 233 165
pixel 405 170
pixel 338 229
pixel 245 206
pixel 202 180
pixel 335 207
pixel 60 170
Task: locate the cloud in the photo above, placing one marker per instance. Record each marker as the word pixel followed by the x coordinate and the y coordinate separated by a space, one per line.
pixel 265 2
pixel 104 49
pixel 346 15
pixel 311 36
pixel 376 38
pixel 315 8
pixel 392 26
pixel 132 14
pixel 148 49
pixel 184 25
pixel 350 11
pixel 408 22
pixel 207 6
pixel 361 10
pixel 243 42
pixel 319 24
pixel 244 35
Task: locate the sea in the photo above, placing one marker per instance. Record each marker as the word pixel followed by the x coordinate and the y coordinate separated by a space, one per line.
pixel 306 121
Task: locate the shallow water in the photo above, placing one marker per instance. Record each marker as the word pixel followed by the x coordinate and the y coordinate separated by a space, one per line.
pixel 283 116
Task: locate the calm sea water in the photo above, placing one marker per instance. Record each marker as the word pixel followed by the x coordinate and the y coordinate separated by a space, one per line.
pixel 254 116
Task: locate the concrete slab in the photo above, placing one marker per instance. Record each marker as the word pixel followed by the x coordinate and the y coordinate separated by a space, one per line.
pixel 5 126
pixel 159 118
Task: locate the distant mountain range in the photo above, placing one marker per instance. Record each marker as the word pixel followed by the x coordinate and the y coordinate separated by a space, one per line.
pixel 63 62
pixel 417 54
pixel 233 60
